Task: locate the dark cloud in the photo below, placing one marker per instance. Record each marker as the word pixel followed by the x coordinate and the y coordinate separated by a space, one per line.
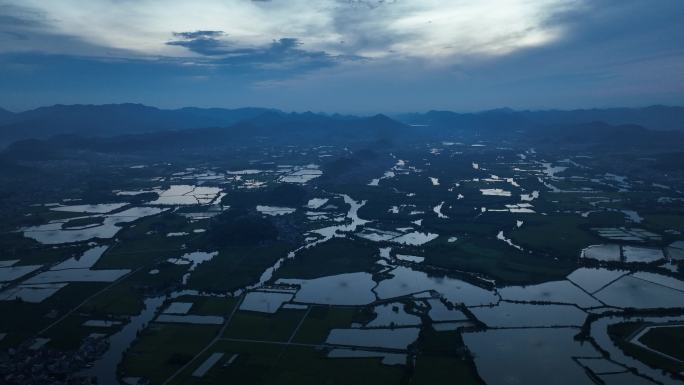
pixel 372 4
pixel 24 29
pixel 201 42
pixel 19 22
pixel 284 53
pixel 199 34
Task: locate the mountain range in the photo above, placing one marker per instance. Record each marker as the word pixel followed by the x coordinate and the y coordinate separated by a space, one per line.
pixel 113 119
pixel 134 126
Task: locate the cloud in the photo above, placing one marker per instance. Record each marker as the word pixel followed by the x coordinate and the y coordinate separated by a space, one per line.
pixel 199 34
pixel 377 28
pixel 362 54
pixel 201 42
pixel 18 22
pixel 281 54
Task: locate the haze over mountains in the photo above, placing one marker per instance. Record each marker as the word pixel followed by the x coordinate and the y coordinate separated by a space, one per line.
pixel 653 117
pixel 134 126
pixel 114 119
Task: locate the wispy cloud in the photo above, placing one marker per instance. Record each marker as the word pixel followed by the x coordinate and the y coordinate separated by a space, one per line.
pixel 426 28
pixel 284 53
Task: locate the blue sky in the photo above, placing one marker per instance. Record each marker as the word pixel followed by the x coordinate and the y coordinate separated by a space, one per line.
pixel 350 56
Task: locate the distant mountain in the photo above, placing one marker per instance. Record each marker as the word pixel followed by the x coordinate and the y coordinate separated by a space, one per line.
pixel 332 127
pixel 468 123
pixel 114 119
pixel 270 129
pixel 662 118
pixel 596 129
pixel 121 119
pixel 274 128
pixel 602 136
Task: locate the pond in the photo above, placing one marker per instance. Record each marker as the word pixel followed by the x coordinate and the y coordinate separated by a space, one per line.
pixel 85 261
pixel 529 356
pixel 52 233
pixel 593 279
pixel 387 358
pixel 179 195
pixel 556 291
pixel 31 293
pixel 101 208
pixel 302 175
pixel 513 315
pixel 630 291
pixel 405 281
pixel 438 210
pixel 399 338
pixel 341 289
pixel 415 238
pixel 11 273
pixel 275 211
pixel 642 254
pixel 265 301
pixel 602 252
pixel 392 314
pixel 495 192
pixel 77 275
pixel 316 203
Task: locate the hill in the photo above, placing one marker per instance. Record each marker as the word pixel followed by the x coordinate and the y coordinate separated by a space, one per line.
pixel 113 119
pixel 662 118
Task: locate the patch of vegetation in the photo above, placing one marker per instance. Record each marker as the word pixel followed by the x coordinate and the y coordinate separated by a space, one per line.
pixel 498 260
pixel 432 369
pixel 288 194
pixel 447 343
pixel 562 236
pixel 337 256
pixel 209 305
pixel 668 340
pixel 259 363
pixel 145 243
pixel 236 267
pixel 23 320
pixel 321 320
pixel 162 349
pixel 82 222
pixel 264 327
pixel 665 221
pixel 284 194
pixel 127 297
pixel 621 333
pixel 238 227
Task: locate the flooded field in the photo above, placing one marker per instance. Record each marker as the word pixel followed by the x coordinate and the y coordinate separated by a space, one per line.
pixel 509 265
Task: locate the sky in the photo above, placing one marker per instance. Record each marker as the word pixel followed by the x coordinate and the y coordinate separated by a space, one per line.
pixel 347 56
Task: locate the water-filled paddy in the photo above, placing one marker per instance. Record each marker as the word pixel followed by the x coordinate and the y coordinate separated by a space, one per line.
pixel 398 338
pixel 552 292
pixel 264 301
pixel 406 281
pixel 529 356
pixel 342 289
pixel 515 315
pixel 630 291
